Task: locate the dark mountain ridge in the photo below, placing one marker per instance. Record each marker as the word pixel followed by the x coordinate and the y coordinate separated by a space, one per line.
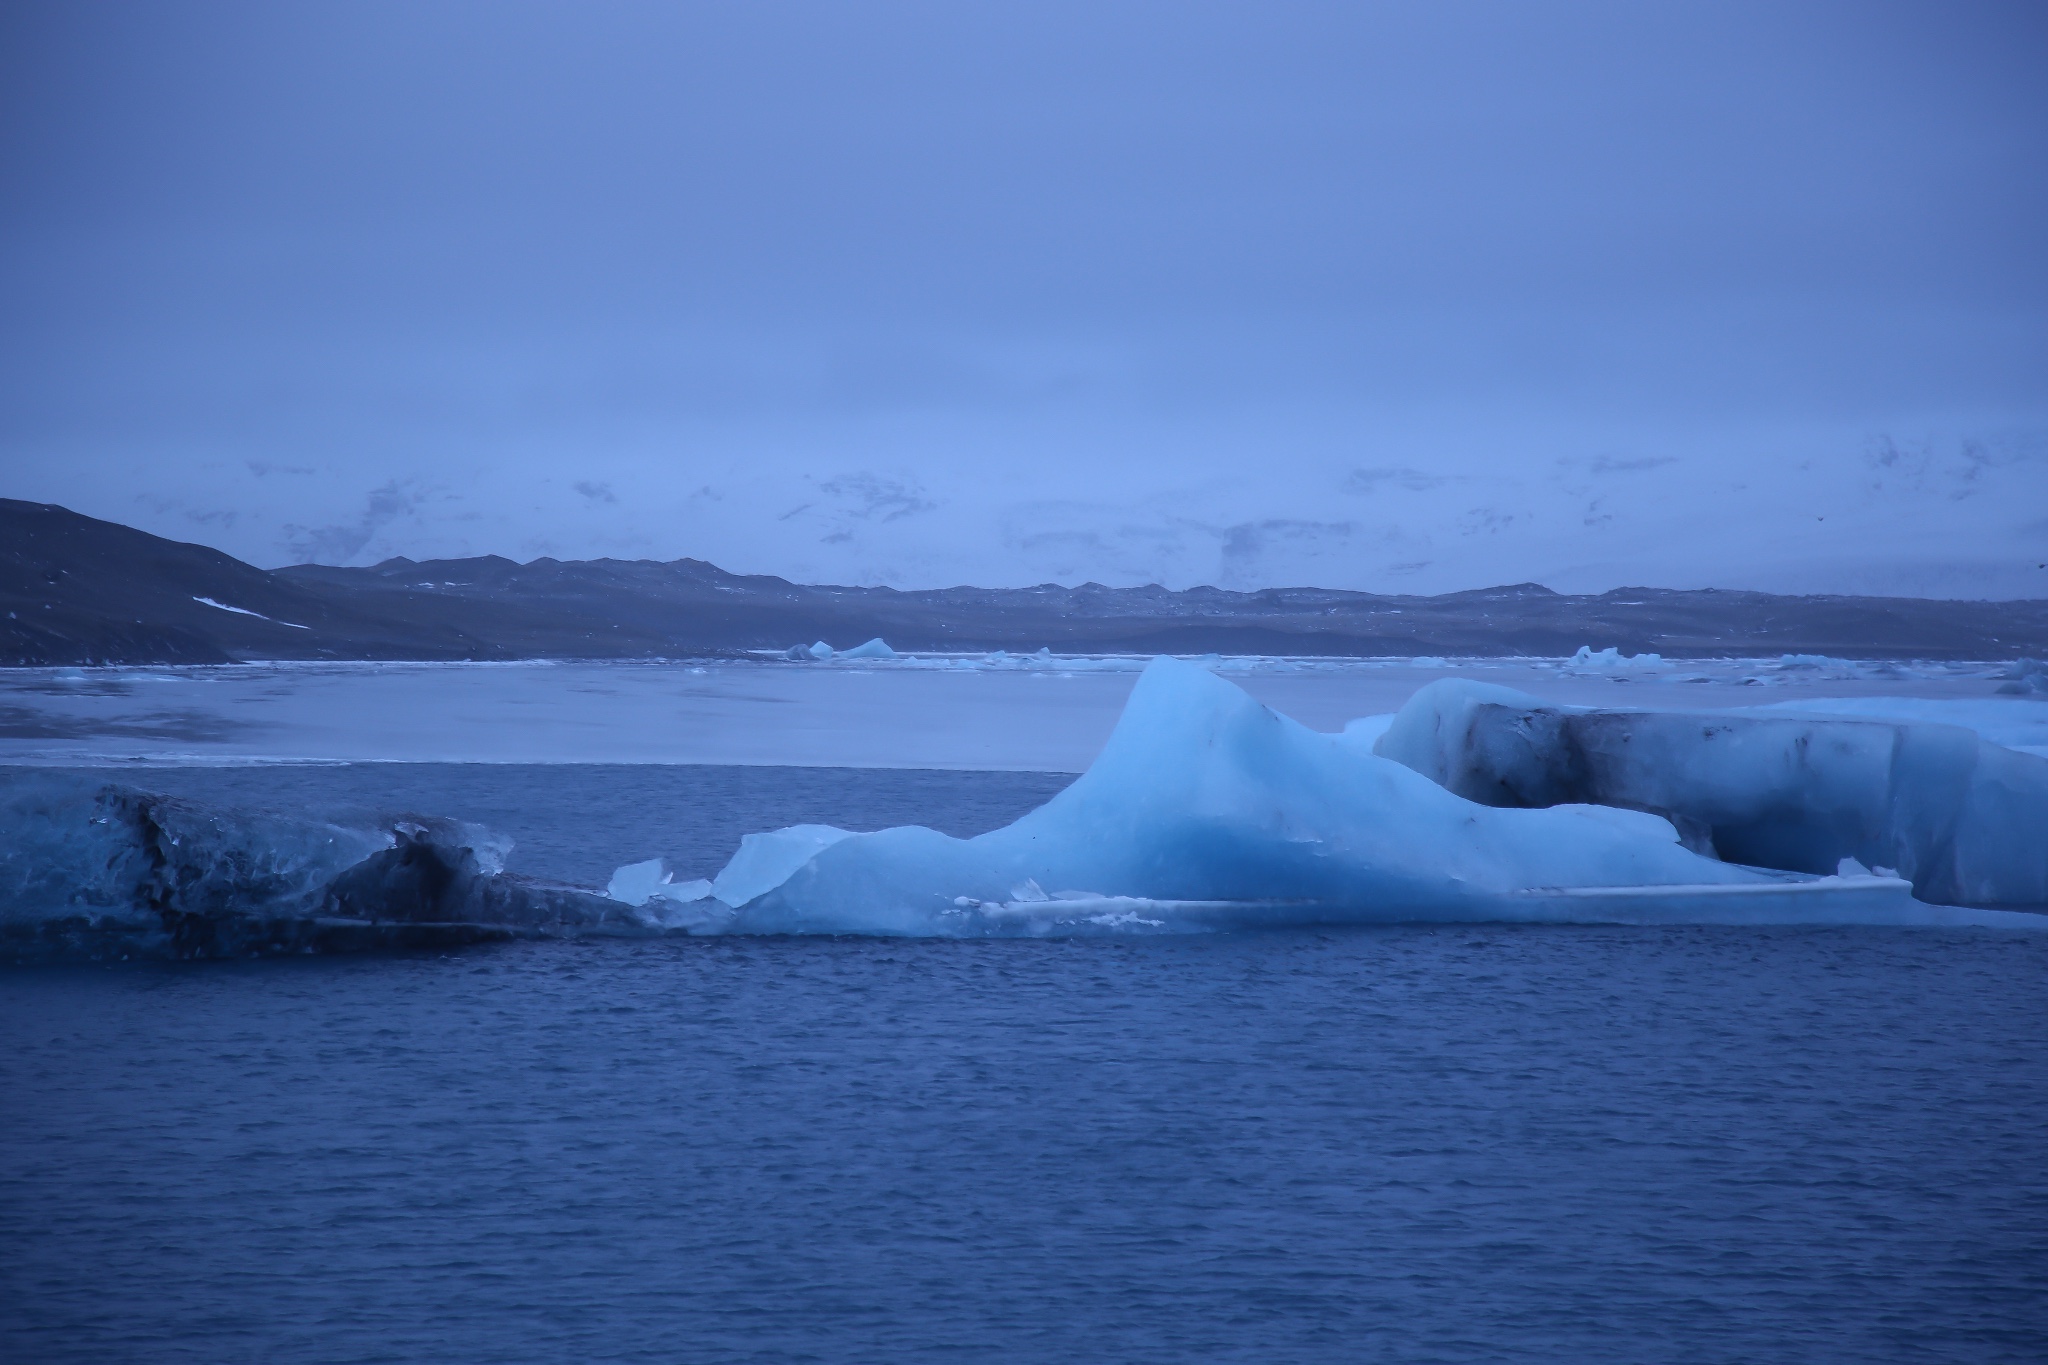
pixel 77 590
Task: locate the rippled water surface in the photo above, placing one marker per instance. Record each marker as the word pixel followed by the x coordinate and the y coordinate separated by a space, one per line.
pixel 1431 1144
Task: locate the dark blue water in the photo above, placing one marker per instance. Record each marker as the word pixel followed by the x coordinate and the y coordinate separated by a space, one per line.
pixel 576 822
pixel 1432 1144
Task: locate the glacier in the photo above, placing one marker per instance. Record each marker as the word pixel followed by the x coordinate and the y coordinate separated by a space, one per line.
pixel 1207 810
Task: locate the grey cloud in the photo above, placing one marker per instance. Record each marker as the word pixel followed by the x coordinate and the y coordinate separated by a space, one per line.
pixel 1488 521
pixel 1070 540
pixel 342 542
pixel 873 497
pixel 1611 464
pixel 1064 552
pixel 222 517
pixel 1247 543
pixel 1369 481
pixel 1953 469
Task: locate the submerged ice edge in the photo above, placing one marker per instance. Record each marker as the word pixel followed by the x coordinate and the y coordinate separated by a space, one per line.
pixel 1820 902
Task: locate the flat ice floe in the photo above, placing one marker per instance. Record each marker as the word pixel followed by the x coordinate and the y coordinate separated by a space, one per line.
pixel 1208 810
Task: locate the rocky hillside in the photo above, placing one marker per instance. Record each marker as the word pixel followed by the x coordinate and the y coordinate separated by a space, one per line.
pixel 76 590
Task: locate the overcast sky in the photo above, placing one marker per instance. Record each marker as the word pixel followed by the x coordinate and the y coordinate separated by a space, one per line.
pixel 1400 297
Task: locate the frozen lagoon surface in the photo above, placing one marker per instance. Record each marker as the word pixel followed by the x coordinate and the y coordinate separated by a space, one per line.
pixel 1451 1142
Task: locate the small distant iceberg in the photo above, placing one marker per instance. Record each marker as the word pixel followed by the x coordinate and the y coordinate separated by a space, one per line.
pixel 2027 678
pixel 877 648
pixel 1612 663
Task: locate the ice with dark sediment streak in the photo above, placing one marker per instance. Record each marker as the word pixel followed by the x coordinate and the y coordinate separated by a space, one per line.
pixel 1208 810
pixel 102 871
pixel 1964 820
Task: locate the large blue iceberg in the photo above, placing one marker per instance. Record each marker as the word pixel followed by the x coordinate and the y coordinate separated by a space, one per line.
pixel 1207 810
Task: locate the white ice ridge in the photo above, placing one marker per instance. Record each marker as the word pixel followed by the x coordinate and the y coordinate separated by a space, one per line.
pixel 1207 810
pixel 244 611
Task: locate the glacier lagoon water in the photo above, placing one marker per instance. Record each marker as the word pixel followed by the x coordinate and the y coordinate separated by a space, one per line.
pixel 1019 714
pixel 1449 1143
